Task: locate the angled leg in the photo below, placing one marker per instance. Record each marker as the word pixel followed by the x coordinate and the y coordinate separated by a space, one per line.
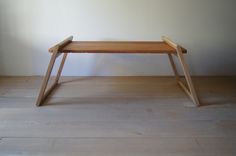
pixel 43 94
pixel 61 68
pixel 191 92
pixel 189 89
pixel 174 67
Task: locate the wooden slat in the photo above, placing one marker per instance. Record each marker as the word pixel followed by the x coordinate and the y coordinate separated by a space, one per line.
pixel 118 47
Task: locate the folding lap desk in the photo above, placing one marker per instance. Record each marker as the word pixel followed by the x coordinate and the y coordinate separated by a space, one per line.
pixel 160 47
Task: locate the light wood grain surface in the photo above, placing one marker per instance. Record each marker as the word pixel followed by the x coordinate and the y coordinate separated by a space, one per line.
pixel 118 47
pixel 118 116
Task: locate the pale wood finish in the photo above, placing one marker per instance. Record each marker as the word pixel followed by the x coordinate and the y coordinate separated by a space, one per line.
pixel 61 44
pixel 61 68
pixel 185 89
pixel 118 47
pixel 174 67
pixel 169 42
pixel 161 47
pixel 43 94
pixel 118 116
pixel 190 90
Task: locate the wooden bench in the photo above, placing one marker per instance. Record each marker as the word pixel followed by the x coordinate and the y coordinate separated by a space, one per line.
pixel 156 47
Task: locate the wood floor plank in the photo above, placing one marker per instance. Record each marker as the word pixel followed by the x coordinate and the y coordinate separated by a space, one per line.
pixel 207 86
pixel 217 145
pixel 117 111
pixel 119 146
pixel 118 116
pixel 109 146
pixel 118 129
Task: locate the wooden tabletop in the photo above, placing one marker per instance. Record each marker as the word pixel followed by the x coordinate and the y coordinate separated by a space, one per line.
pixel 118 47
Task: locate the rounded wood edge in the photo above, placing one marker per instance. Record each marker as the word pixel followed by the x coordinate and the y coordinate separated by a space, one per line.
pixel 61 44
pixel 173 44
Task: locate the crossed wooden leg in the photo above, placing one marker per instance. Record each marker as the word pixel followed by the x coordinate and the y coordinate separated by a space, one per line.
pixel 189 89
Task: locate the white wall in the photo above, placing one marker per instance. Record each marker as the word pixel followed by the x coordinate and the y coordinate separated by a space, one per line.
pixel 205 27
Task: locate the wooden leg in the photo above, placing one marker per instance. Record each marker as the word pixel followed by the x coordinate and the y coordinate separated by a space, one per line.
pixel 61 67
pixel 43 94
pixel 174 67
pixel 191 91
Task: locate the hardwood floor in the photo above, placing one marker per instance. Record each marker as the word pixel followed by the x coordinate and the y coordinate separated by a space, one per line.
pixel 118 116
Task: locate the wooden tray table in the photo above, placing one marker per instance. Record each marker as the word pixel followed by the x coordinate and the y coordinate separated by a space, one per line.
pixel 125 47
